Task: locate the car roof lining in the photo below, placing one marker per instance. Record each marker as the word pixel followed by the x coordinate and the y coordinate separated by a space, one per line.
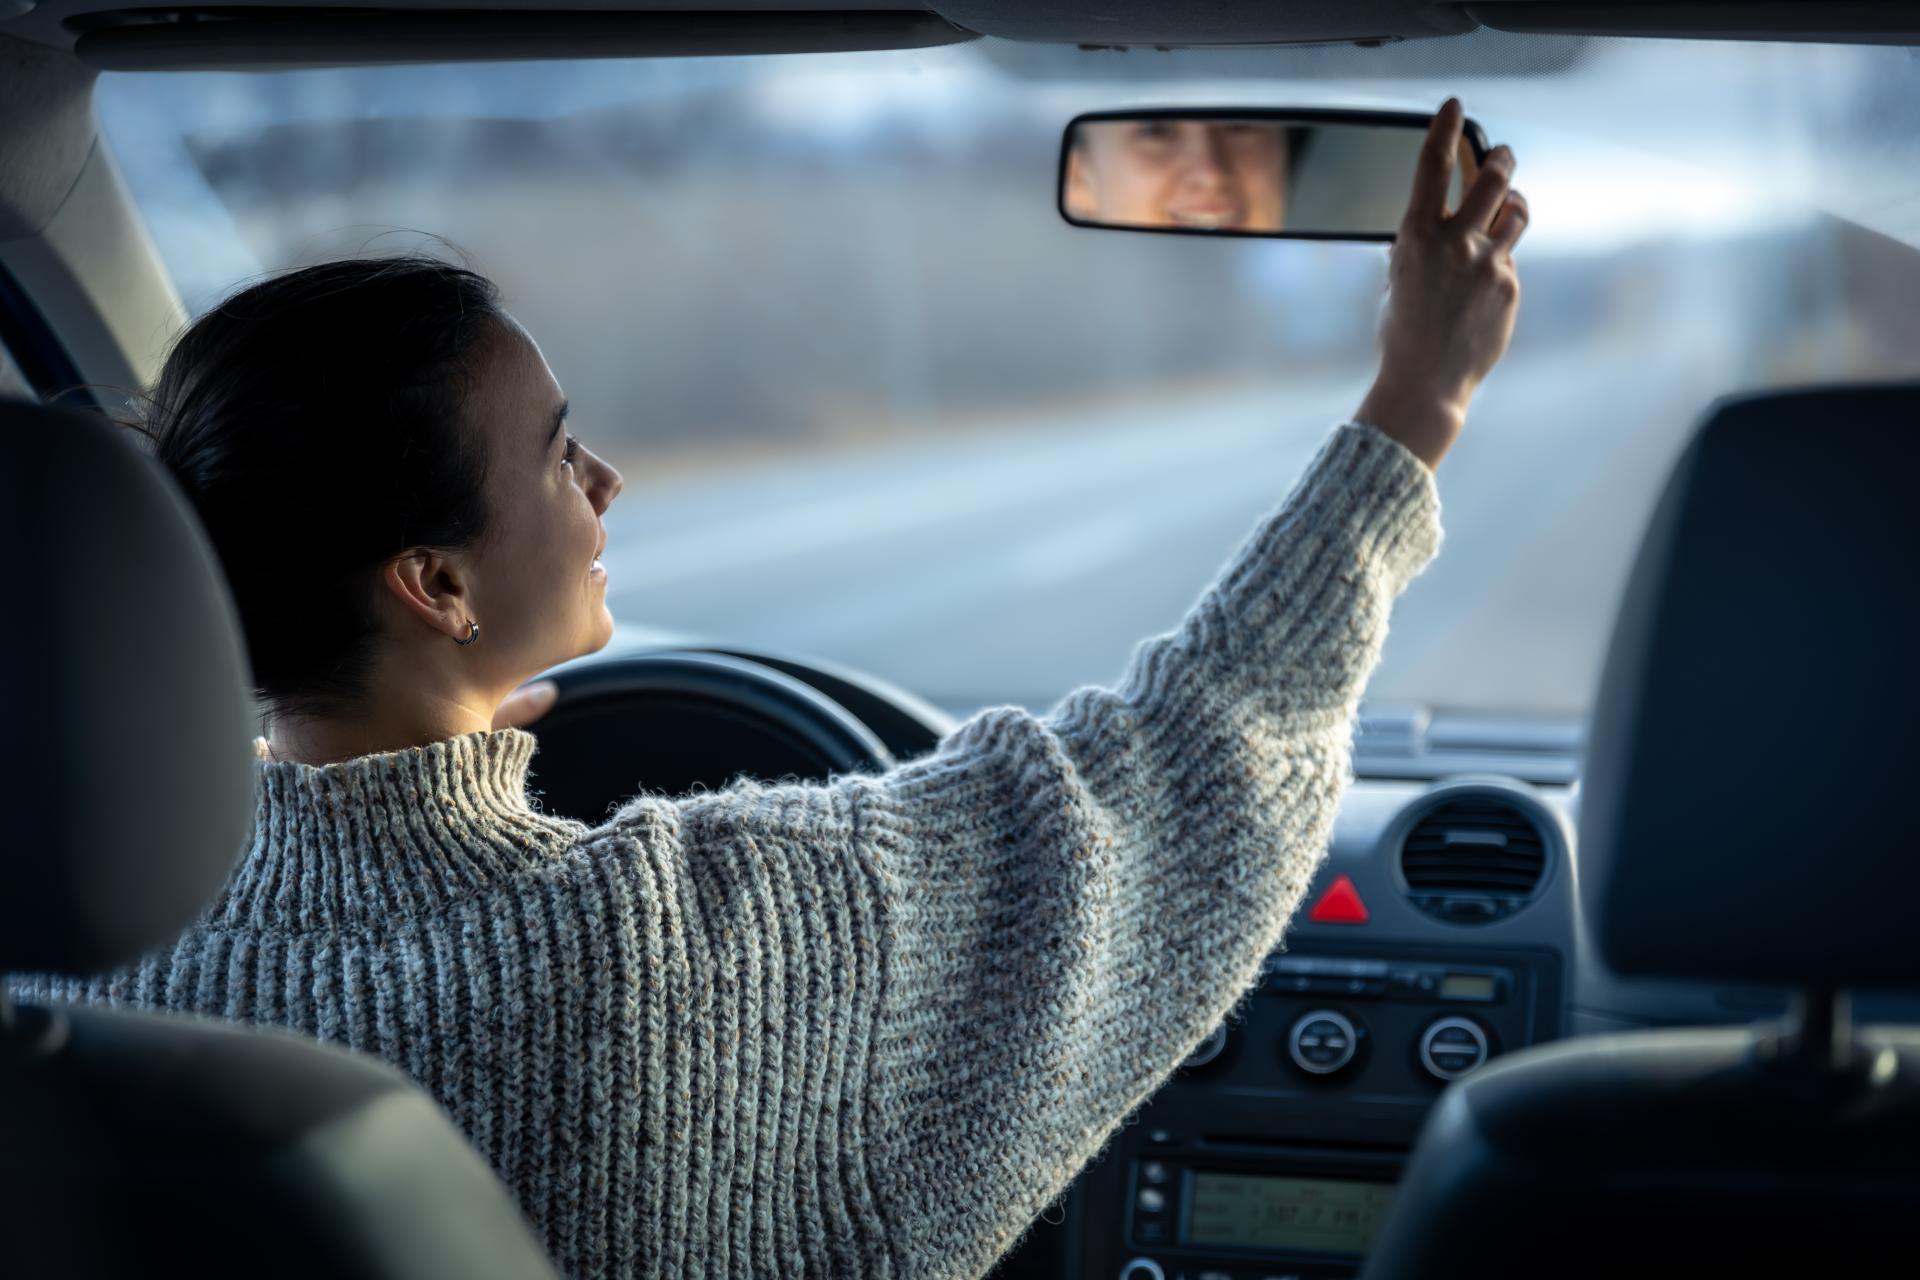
pixel 259 35
pixel 286 38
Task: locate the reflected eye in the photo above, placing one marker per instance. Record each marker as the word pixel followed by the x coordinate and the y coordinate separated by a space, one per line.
pixel 1153 131
pixel 573 447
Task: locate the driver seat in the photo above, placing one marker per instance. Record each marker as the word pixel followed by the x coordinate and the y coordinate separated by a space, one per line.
pixel 1746 818
pixel 140 1144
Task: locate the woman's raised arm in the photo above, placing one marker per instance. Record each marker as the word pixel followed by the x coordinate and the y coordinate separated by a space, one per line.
pixel 939 991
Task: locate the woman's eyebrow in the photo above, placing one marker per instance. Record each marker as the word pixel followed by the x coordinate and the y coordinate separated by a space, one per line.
pixel 559 416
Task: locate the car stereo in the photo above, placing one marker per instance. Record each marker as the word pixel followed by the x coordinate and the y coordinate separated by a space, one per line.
pixel 1273 1152
pixel 1226 1216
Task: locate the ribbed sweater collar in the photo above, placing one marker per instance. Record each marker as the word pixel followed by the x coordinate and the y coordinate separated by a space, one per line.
pixel 385 837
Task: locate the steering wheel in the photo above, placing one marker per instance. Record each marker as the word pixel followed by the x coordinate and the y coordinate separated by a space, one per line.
pixel 677 720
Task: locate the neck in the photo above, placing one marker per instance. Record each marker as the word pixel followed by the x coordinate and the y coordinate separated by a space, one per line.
pixel 390 722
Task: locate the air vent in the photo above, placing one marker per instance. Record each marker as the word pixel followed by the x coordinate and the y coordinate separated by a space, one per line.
pixel 1473 859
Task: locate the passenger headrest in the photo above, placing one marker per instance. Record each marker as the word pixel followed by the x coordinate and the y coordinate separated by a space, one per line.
pixel 127 761
pixel 1745 813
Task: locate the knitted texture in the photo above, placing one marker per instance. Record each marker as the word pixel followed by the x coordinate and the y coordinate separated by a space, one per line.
pixel 863 1029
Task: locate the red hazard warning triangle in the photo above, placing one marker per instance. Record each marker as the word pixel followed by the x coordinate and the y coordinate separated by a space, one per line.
pixel 1340 904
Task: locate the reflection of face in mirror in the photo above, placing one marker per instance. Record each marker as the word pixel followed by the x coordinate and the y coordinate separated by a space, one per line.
pixel 1205 175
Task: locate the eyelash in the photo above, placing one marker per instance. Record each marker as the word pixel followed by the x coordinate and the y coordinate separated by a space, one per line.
pixel 573 444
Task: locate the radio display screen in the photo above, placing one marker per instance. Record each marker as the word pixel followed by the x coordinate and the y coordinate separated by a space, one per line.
pixel 1252 1211
pixel 1466 986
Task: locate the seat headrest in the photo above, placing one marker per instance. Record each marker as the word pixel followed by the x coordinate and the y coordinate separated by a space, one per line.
pixel 127 762
pixel 1744 813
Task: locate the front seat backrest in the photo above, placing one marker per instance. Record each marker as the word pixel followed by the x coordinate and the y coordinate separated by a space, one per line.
pixel 1745 818
pixel 140 1144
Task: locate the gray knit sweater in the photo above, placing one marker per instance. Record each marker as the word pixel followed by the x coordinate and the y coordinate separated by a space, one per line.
pixel 864 1029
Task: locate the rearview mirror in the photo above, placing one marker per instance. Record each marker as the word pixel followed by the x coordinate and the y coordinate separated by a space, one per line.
pixel 1282 174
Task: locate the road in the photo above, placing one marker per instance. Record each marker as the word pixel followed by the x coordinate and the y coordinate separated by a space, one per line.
pixel 1011 564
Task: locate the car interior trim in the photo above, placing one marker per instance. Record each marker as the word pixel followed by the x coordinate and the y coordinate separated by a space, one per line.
pixel 213 38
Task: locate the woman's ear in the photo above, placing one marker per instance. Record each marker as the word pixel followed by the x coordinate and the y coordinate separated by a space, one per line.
pixel 431 588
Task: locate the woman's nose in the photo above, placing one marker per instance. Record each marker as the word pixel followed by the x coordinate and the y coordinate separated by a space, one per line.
pixel 607 483
pixel 1204 156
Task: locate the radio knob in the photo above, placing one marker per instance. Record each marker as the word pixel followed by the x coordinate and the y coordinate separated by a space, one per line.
pixel 1207 1050
pixel 1452 1047
pixel 1142 1269
pixel 1323 1042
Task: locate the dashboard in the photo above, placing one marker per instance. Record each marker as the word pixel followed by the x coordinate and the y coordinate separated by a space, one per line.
pixel 1439 932
pixel 1447 933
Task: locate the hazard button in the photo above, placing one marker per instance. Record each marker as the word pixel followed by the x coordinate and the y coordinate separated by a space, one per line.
pixel 1340 904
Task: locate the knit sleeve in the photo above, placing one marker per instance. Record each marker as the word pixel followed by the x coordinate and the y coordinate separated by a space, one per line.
pixel 915 1005
pixel 1070 903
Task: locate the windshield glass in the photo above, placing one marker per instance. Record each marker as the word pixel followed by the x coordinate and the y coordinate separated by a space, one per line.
pixel 877 403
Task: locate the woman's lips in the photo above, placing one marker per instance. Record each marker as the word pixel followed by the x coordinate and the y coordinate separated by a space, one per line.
pixel 1208 218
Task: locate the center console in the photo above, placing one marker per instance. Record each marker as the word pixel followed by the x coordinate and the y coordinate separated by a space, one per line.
pixel 1274 1150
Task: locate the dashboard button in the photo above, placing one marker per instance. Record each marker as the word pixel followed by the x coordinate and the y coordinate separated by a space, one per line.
pixel 1153 1171
pixel 1142 1269
pixel 1151 1200
pixel 1322 1042
pixel 1339 904
pixel 1451 1047
pixel 1207 1050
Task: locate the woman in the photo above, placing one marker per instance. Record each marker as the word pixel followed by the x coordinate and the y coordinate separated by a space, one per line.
pixel 869 1028
pixel 1205 175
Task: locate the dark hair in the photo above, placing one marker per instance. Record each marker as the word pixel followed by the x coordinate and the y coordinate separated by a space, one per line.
pixel 314 420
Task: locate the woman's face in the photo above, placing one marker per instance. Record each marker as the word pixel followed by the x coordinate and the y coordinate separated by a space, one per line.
pixel 1207 175
pixel 538 589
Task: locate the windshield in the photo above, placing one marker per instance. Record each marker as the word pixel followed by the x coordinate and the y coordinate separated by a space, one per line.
pixel 876 403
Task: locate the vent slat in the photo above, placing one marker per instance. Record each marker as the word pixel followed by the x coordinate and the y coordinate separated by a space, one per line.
pixel 1439 866
pixel 1433 870
pixel 1473 847
pixel 1427 844
pixel 1514 885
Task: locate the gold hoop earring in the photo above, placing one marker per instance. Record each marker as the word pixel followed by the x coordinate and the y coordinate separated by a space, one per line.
pixel 473 633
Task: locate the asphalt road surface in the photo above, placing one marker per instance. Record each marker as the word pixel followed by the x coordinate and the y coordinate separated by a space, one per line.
pixel 1011 564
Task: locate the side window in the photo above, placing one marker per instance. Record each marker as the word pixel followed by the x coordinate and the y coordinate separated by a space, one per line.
pixel 33 364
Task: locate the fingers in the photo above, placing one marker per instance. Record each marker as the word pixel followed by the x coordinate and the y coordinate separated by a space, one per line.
pixel 1510 223
pixel 1489 192
pixel 1433 174
pixel 1466 166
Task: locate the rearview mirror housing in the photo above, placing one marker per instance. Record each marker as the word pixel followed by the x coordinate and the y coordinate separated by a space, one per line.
pixel 1272 173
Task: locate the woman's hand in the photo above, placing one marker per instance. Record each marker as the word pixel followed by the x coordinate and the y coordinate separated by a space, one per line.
pixel 526 704
pixel 1452 292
